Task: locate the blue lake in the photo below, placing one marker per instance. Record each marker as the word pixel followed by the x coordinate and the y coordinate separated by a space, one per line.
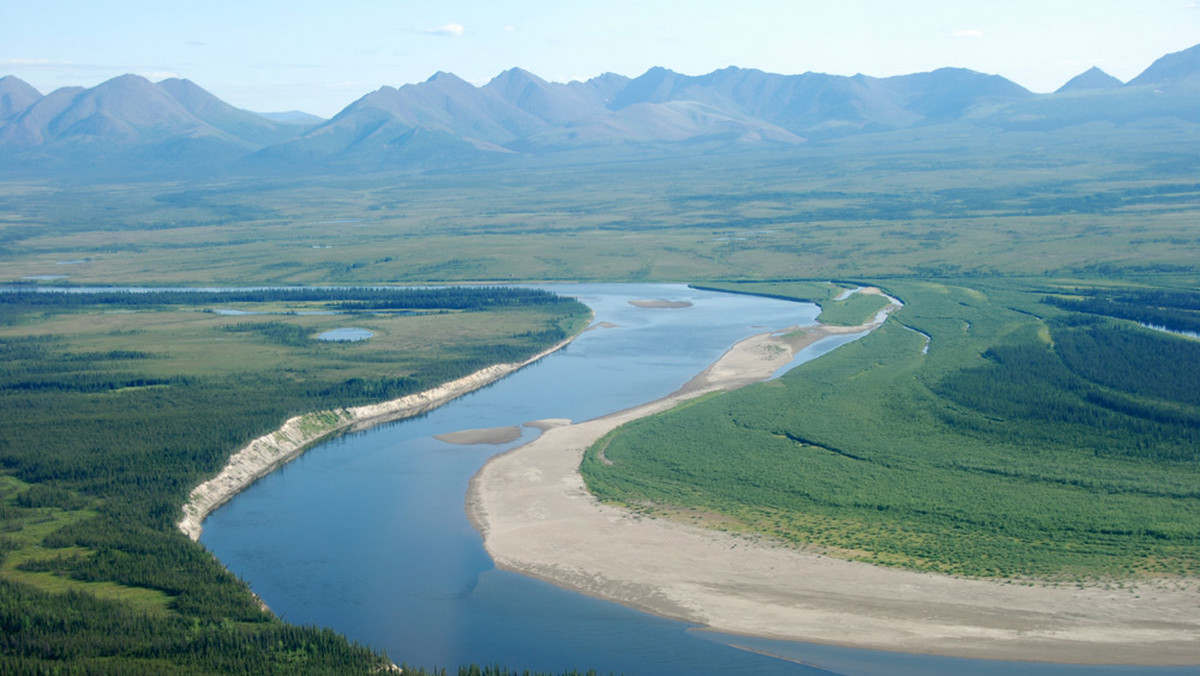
pixel 367 533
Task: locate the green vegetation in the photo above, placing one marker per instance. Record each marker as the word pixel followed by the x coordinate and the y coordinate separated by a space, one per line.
pixel 77 633
pixel 1026 442
pixel 855 309
pixel 1171 310
pixel 116 405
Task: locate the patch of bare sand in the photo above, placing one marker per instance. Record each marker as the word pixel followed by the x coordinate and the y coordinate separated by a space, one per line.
pixel 498 435
pixel 491 435
pixel 538 518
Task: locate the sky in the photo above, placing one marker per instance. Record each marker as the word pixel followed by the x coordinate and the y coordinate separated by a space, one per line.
pixel 270 56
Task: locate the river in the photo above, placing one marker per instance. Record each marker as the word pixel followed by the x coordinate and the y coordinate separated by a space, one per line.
pixel 367 533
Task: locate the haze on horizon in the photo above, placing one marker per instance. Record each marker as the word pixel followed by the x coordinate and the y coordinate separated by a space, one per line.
pixel 319 57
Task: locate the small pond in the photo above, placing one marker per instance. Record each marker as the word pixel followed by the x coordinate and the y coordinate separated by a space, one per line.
pixel 346 335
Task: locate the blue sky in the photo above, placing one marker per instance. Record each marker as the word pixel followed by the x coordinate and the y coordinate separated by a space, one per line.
pixel 268 55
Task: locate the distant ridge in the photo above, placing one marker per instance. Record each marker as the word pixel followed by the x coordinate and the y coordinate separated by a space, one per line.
pixel 129 123
pixel 1172 68
pixel 129 119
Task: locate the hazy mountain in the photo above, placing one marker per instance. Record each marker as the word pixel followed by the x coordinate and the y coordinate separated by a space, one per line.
pixel 1167 93
pixel 16 95
pixel 131 122
pixel 1090 79
pixel 446 121
pixel 1172 68
pixel 950 93
pixel 126 110
pixel 373 139
pixel 449 111
pixel 241 124
pixel 820 104
pixel 601 89
pixel 516 111
pixel 449 103
pixel 671 122
pixel 812 104
pixel 552 103
pixel 656 85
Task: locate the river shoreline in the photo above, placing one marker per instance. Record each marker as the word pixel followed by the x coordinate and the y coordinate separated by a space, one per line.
pixel 267 453
pixel 537 518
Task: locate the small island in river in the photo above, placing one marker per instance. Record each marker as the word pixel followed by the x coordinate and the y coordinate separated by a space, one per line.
pixel 661 304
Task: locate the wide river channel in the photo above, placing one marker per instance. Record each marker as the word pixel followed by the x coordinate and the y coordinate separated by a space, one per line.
pixel 367 533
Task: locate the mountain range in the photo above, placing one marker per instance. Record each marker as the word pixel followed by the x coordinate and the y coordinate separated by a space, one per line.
pixel 130 123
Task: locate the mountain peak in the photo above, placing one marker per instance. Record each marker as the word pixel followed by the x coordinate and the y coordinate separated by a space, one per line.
pixel 512 82
pixel 15 96
pixel 446 84
pixel 445 78
pixel 519 74
pixel 126 81
pixel 12 82
pixel 656 85
pixel 550 103
pixel 1092 78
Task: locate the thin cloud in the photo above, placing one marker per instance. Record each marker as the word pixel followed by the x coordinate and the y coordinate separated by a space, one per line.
pixel 450 30
pixel 35 63
pixel 65 66
pixel 969 33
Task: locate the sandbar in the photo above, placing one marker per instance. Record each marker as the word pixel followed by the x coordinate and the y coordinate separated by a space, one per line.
pixel 491 435
pixel 538 518
pixel 498 435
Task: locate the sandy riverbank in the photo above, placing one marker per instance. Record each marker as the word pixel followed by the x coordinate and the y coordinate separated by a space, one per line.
pixel 270 451
pixel 538 518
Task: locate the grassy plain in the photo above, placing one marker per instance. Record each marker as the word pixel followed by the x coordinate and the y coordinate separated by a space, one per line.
pixel 821 212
